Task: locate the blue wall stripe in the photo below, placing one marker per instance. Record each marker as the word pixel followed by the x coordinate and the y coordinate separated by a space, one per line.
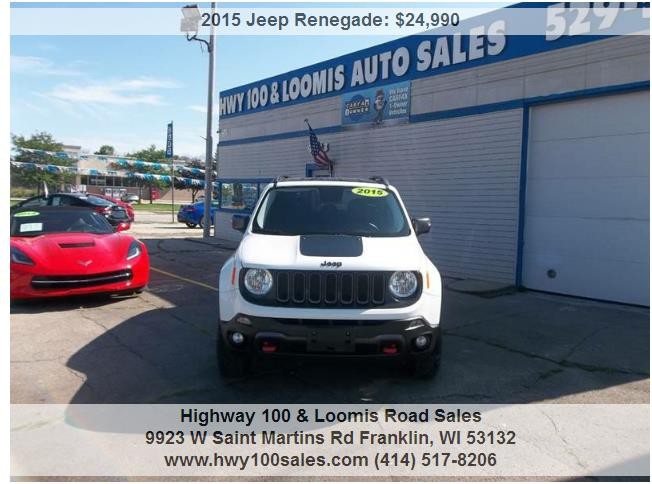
pixel 468 111
pixel 459 112
pixel 521 196
pixel 274 137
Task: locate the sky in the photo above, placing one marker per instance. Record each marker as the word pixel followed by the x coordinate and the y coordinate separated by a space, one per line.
pixel 123 90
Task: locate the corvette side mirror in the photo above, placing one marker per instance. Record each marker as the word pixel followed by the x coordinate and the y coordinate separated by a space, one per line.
pixel 421 225
pixel 240 222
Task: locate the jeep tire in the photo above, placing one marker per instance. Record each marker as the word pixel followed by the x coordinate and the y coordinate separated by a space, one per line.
pixel 231 363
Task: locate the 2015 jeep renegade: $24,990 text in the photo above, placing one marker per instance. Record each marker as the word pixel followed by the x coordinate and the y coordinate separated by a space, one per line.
pixel 332 267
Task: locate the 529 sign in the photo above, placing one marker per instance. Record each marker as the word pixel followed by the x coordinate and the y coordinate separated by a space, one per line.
pixel 584 18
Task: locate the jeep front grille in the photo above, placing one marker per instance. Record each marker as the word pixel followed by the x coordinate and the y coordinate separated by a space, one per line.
pixel 329 289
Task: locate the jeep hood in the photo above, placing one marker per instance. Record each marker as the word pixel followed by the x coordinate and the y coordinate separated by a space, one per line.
pixel 287 252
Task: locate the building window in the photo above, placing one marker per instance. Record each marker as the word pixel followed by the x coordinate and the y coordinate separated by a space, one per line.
pixel 239 195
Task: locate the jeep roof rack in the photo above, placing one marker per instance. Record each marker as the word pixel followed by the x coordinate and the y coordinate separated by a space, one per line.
pixel 380 179
pixel 280 178
pixel 373 179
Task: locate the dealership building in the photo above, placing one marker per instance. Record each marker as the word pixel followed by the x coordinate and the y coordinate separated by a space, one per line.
pixel 529 154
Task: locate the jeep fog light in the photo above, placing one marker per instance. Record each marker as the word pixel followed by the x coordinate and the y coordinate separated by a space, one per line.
pixel 258 281
pixel 237 338
pixel 403 284
pixel 420 342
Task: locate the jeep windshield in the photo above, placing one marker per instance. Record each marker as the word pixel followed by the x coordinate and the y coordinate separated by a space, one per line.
pixel 331 210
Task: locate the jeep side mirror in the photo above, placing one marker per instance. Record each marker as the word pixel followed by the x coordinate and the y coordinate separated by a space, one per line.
pixel 421 225
pixel 240 222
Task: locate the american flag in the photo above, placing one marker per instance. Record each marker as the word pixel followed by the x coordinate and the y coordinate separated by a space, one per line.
pixel 316 150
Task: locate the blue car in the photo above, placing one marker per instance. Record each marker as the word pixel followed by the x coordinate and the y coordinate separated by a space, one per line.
pixel 192 215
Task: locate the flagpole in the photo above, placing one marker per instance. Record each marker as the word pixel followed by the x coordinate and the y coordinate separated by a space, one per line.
pixel 172 179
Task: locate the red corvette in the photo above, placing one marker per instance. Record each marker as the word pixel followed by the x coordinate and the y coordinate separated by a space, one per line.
pixel 65 251
pixel 126 206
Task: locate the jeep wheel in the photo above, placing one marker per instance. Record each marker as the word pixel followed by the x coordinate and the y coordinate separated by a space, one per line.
pixel 428 365
pixel 232 364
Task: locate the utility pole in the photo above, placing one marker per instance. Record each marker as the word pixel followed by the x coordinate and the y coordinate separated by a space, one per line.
pixel 208 174
pixel 172 183
pixel 190 25
pixel 169 153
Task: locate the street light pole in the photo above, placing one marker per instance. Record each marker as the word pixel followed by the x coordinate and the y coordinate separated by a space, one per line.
pixel 190 25
pixel 208 174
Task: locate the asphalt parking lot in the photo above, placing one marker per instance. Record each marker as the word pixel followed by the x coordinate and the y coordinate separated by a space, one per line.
pixel 159 347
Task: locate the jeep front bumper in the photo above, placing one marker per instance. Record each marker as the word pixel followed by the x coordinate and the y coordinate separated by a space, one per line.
pixel 266 335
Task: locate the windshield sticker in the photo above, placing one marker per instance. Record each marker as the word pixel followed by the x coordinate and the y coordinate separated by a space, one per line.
pixel 34 227
pixel 27 214
pixel 369 192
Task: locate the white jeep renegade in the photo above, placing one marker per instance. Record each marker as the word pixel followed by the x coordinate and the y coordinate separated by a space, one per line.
pixel 329 267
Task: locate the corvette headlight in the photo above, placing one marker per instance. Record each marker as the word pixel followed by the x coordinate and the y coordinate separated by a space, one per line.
pixel 403 284
pixel 134 250
pixel 258 281
pixel 19 257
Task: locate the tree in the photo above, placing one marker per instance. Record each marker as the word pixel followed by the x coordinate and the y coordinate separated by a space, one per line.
pixel 195 189
pixel 107 150
pixel 151 155
pixel 35 178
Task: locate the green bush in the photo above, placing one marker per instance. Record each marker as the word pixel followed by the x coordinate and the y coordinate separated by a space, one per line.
pixel 21 192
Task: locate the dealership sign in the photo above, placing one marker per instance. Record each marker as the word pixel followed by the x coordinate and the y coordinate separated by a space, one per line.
pixel 476 41
pixel 377 106
pixel 388 63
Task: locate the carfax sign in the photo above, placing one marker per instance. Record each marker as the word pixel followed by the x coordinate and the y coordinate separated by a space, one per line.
pixel 377 106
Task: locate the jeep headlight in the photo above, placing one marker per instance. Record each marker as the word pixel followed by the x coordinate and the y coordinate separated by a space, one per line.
pixel 403 284
pixel 258 281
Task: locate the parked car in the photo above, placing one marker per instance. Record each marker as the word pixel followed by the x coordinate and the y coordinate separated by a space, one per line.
pixel 193 214
pixel 130 210
pixel 330 267
pixel 130 198
pixel 64 251
pixel 115 214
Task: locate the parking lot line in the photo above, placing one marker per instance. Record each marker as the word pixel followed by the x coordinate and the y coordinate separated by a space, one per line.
pixel 170 274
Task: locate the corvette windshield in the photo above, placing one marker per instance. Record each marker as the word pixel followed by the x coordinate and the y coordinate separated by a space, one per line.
pixel 343 210
pixel 32 223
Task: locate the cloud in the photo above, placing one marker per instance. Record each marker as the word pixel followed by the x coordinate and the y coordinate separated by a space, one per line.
pixel 201 108
pixel 40 66
pixel 116 92
pixel 148 83
pixel 47 46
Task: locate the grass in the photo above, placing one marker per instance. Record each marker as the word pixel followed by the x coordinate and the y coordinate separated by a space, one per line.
pixel 156 207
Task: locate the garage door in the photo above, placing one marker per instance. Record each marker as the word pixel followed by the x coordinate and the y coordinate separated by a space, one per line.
pixel 587 215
